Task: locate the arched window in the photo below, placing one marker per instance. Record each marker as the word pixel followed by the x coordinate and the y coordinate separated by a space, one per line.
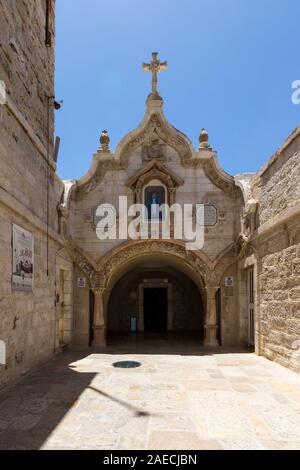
pixel 154 196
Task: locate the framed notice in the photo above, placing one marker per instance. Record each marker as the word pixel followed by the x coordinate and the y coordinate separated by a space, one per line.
pixel 22 259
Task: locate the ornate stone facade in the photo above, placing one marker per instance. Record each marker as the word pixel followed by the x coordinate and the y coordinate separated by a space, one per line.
pixel 155 152
pixel 234 246
pixel 246 275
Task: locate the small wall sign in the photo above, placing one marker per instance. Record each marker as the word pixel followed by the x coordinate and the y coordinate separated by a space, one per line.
pixel 81 282
pixel 229 281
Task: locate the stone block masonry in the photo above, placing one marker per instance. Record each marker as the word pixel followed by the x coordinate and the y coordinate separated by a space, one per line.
pixel 28 320
pixel 278 250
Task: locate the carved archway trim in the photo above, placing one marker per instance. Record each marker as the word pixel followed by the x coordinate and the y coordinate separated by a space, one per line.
pixel 100 273
pixel 129 251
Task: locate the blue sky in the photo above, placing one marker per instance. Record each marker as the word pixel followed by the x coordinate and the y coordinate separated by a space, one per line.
pixel 231 66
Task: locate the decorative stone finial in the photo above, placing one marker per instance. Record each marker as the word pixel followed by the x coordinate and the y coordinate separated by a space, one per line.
pixel 203 140
pixel 104 141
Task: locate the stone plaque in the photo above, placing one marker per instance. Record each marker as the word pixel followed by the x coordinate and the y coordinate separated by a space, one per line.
pixel 210 215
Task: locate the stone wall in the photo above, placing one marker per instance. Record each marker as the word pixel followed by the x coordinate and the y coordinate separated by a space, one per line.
pixel 231 325
pixel 28 322
pixel 27 69
pixel 82 307
pixel 26 64
pixel 277 185
pixel 277 242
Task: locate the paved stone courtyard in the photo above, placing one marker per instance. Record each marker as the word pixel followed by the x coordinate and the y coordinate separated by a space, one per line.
pixel 179 398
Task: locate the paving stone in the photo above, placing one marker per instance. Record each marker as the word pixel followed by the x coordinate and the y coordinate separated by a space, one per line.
pixel 87 408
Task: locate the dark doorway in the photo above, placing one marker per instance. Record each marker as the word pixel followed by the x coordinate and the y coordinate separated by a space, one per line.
pixel 219 315
pixel 155 310
pixel 91 315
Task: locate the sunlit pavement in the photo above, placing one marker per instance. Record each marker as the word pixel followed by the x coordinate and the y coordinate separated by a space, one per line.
pixel 176 399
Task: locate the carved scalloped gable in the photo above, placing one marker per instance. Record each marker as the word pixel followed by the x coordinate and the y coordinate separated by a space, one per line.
pixel 157 124
pixel 154 122
pixel 218 176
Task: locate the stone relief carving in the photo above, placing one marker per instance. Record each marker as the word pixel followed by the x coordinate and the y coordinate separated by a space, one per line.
pixel 162 131
pixel 153 149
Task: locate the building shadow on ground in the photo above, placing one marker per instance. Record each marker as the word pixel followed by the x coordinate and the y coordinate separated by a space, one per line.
pixel 33 408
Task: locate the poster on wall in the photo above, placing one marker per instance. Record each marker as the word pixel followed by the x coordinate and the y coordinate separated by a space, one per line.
pixel 22 259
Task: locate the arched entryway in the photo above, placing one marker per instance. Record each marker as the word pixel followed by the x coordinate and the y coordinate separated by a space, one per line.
pixel 155 296
pixel 170 254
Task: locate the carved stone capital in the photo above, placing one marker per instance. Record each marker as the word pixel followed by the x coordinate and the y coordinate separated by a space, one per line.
pixel 98 291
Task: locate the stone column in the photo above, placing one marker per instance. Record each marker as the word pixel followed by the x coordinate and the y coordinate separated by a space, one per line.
pixel 99 326
pixel 211 317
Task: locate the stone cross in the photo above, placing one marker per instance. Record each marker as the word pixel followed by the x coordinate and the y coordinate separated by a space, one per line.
pixel 155 66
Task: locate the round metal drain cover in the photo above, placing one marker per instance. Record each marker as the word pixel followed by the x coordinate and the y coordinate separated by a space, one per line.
pixel 126 364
